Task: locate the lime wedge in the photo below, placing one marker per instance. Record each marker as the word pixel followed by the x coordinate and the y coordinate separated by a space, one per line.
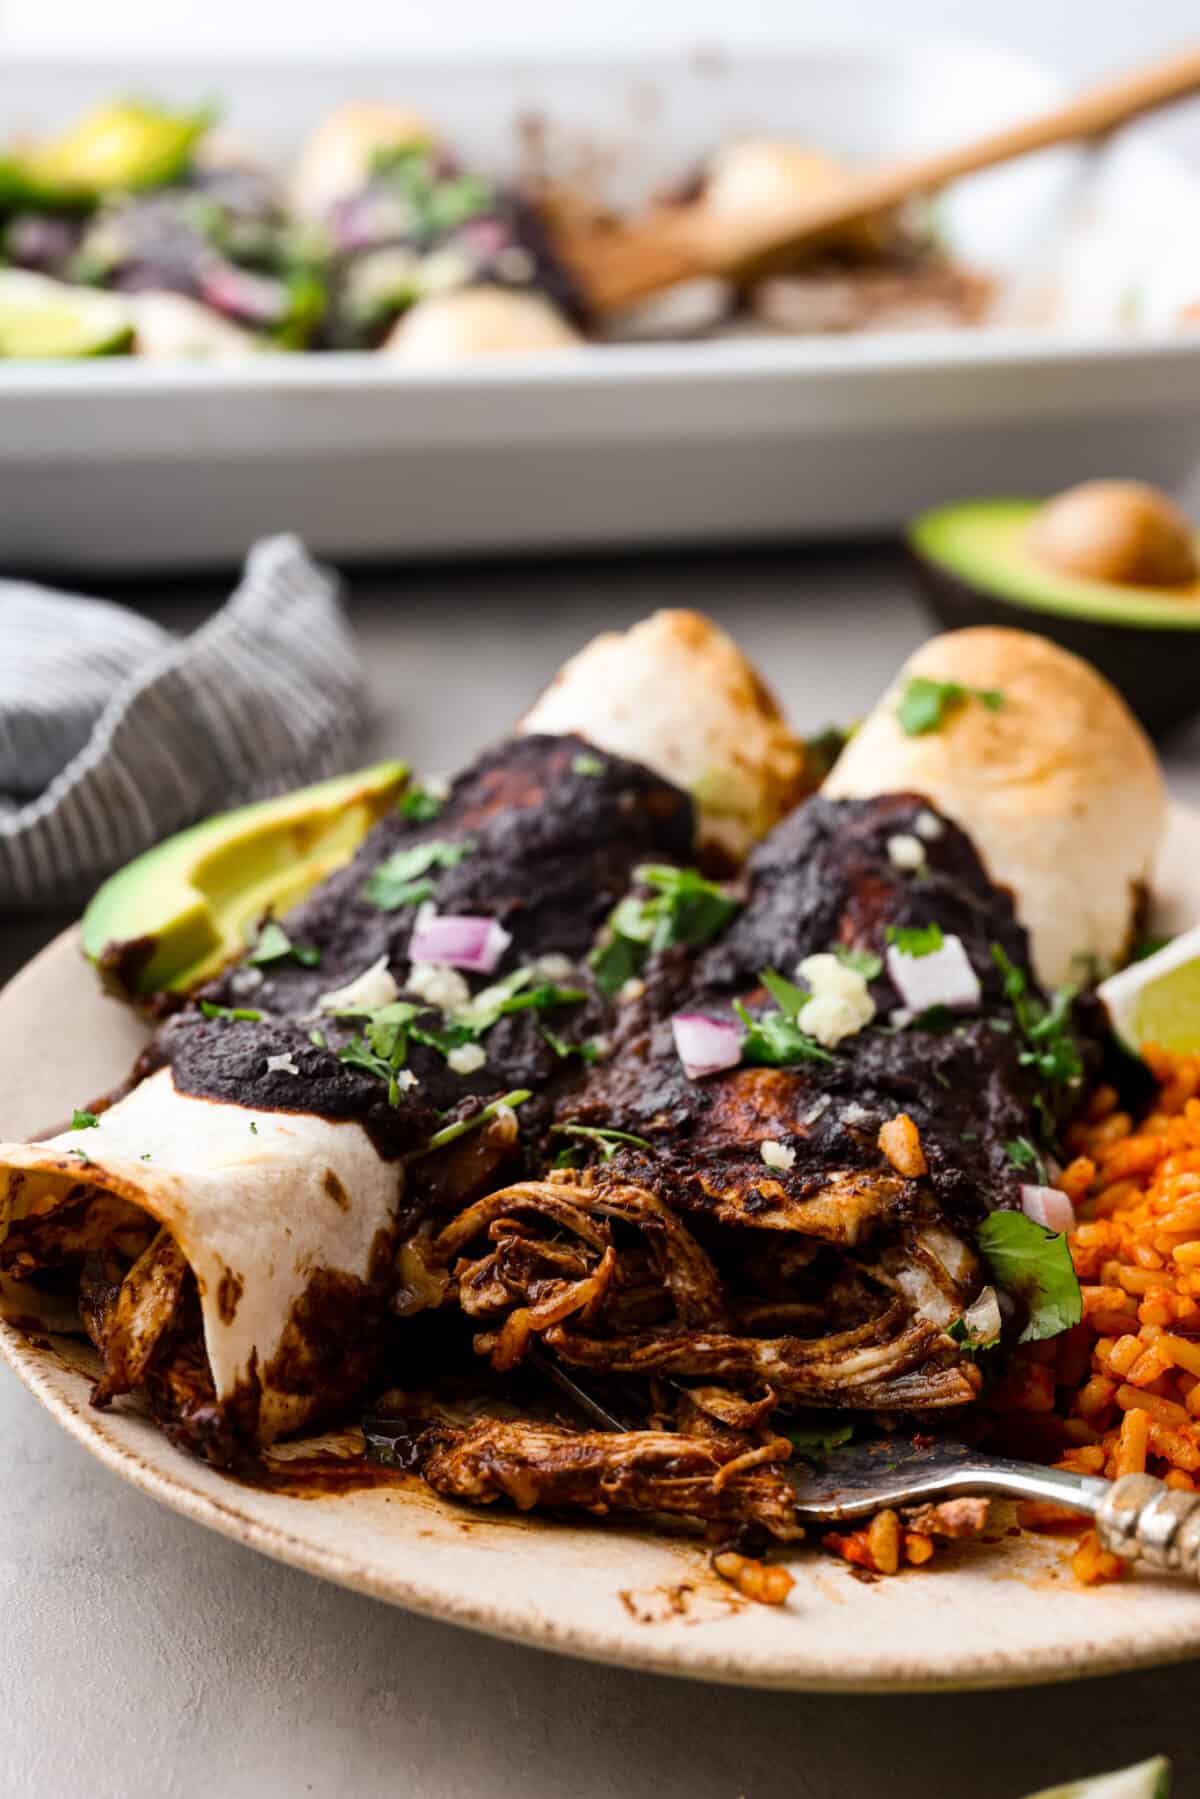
pixel 1148 1780
pixel 43 318
pixel 1158 1000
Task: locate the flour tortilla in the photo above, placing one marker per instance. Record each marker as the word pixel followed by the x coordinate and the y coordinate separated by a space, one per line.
pixel 255 1212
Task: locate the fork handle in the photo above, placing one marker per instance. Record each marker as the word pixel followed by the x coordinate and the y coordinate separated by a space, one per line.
pixel 1141 1519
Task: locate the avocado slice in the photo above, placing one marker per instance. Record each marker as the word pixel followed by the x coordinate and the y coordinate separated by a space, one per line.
pixel 175 915
pixel 120 148
pixel 1148 1780
pixel 976 568
pixel 41 318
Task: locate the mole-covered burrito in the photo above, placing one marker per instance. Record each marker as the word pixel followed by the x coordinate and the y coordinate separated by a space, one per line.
pixel 229 1225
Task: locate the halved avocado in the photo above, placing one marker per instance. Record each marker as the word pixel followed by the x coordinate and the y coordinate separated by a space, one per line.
pixel 977 567
pixel 173 916
pixel 124 147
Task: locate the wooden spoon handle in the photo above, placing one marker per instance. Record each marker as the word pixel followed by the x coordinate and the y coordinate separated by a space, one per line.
pixel 626 262
pixel 1099 110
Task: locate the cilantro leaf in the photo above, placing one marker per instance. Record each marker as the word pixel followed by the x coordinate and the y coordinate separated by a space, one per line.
pixel 787 996
pixel 397 881
pixel 83 1121
pixel 916 940
pixel 683 907
pixel 863 961
pixel 587 765
pixel 211 1010
pixel 274 945
pixel 819 1437
pixel 775 1041
pixel 1034 1265
pixel 608 1142
pixel 1022 1154
pixel 1050 1048
pixel 419 804
pixel 450 1133
pixel 925 705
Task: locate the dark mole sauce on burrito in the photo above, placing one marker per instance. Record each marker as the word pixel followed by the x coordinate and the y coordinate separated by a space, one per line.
pixel 827 878
pixel 554 830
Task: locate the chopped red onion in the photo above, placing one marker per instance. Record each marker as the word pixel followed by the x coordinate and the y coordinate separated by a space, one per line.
pixel 254 298
pixel 464 941
pixel 944 977
pixel 1048 1206
pixel 705 1045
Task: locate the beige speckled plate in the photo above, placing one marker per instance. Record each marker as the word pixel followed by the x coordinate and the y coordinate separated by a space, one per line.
pixel 1000 1614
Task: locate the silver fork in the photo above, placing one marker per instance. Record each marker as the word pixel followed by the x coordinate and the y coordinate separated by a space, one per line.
pixel 1137 1517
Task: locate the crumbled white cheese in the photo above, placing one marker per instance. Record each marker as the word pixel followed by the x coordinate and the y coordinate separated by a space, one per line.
pixel 856 1114
pixel 405 1079
pixel 437 787
pixel 443 987
pixel 817 1110
pixel 468 1058
pixel 929 826
pixel 633 989
pixel 375 986
pixel 906 851
pixel 776 1155
pixel 285 1064
pixel 840 1004
pixel 554 968
pixel 244 981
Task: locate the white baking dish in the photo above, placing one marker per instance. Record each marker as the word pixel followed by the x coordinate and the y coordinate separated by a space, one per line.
pixel 121 464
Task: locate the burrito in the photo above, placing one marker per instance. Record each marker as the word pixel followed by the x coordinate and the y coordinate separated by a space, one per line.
pixel 230 1222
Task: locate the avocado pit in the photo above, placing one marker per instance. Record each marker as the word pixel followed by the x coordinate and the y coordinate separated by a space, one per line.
pixel 1124 532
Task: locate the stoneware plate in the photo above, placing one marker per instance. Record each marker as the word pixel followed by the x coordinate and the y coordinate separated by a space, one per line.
pixel 984 1615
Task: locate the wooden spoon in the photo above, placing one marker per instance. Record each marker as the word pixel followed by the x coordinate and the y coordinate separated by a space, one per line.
pixel 618 262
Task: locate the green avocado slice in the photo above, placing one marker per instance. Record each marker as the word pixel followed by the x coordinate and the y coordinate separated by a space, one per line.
pixel 1148 1780
pixel 983 542
pixel 173 916
pixel 120 148
pixel 41 318
pixel 974 568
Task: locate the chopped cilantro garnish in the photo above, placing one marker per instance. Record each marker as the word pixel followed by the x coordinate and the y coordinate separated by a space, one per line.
pixel 211 1010
pixel 417 803
pixel 823 750
pixel 586 1050
pixel 512 994
pixel 916 940
pixel 253 1128
pixel 145 1156
pixel 449 1133
pixel 683 907
pixel 925 705
pixel 607 1142
pixel 274 945
pixel 819 1438
pixel 317 1037
pixel 83 1156
pixel 83 1121
pixel 787 996
pixel 383 1050
pixel 863 961
pixel 568 1158
pixel 1035 1265
pixel 1022 1154
pixel 398 881
pixel 1050 1049
pixel 774 1039
pixel 587 765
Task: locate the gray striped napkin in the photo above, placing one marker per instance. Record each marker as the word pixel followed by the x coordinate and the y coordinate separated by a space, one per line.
pixel 113 733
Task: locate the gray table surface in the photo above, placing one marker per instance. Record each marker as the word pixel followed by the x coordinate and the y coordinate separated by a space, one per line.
pixel 143 1656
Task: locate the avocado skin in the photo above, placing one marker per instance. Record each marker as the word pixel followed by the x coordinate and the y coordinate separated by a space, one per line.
pixel 1158 672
